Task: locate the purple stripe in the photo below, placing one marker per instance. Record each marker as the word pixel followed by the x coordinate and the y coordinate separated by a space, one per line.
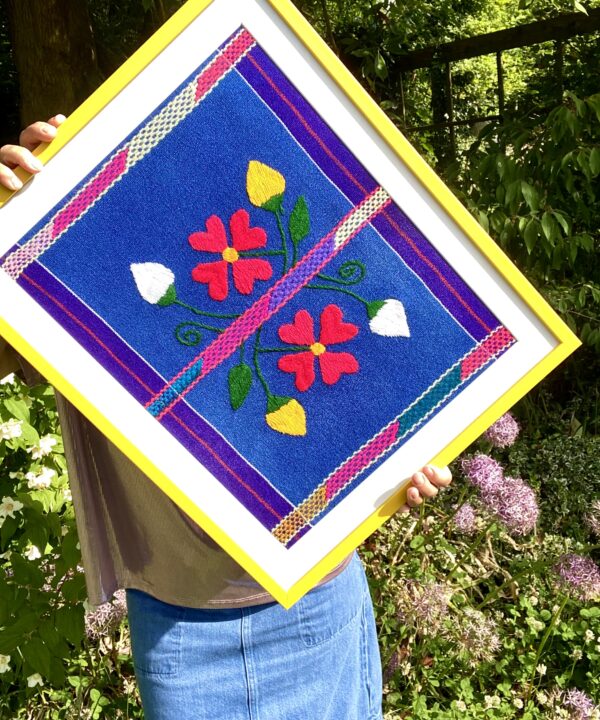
pixel 480 321
pixel 146 374
pixel 299 130
pixel 350 184
pixel 238 466
pixel 301 533
pixel 302 273
pixel 143 372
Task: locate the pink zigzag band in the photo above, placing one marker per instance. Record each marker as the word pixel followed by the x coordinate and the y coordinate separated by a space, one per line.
pixel 241 329
pixel 223 63
pixel 350 469
pixel 498 340
pixel 17 261
pixel 124 159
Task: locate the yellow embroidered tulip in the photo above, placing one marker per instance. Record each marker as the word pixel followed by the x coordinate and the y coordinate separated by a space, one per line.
pixel 265 186
pixel 286 415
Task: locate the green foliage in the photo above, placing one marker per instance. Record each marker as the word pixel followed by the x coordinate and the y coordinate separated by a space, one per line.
pixel 51 664
pixel 474 626
pixel 567 472
pixel 534 184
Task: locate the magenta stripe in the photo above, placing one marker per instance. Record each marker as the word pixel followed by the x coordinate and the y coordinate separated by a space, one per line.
pixel 223 63
pixel 369 453
pixel 229 341
pixel 79 204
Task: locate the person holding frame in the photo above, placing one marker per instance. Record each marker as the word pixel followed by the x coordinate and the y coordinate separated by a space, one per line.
pixel 207 640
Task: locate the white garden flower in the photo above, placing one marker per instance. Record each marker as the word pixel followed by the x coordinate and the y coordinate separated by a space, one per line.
pixel 33 553
pixel 589 636
pixel 492 701
pixel 43 448
pixel 155 282
pixel 4 666
pixel 67 495
pixel 10 429
pixel 8 379
pixel 461 705
pixel 35 679
pixel 542 669
pixel 41 479
pixel 518 703
pixel 9 506
pixel 388 318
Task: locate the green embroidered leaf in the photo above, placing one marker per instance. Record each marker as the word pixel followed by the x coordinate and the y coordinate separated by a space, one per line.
pixel 374 307
pixel 274 402
pixel 273 204
pixel 240 382
pixel 169 297
pixel 299 221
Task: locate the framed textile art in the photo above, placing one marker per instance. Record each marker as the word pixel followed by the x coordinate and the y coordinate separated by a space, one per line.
pixel 237 267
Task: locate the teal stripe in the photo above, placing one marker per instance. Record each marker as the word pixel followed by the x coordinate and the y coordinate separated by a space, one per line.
pixel 438 392
pixel 172 393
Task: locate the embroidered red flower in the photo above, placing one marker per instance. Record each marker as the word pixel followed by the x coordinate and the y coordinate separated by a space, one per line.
pixel 245 270
pixel 302 334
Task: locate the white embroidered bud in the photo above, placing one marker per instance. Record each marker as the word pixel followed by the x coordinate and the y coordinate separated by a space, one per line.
pixel 388 318
pixel 155 282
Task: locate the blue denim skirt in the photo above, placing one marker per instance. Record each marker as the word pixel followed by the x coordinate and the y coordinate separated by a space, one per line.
pixel 317 661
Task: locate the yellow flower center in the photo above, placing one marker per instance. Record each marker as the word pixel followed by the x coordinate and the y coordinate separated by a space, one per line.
pixel 230 255
pixel 317 349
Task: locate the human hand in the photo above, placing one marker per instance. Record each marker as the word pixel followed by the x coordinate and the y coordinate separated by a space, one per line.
pixel 13 156
pixel 426 484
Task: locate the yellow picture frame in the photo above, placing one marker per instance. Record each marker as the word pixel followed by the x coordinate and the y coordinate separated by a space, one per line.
pixel 298 31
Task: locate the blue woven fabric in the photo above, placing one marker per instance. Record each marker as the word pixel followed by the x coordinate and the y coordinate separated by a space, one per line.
pixel 292 412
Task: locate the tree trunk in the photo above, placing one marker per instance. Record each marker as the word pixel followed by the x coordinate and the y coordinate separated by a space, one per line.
pixel 55 55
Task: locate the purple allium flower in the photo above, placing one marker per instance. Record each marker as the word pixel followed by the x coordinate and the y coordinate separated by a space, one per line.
pixel 592 518
pixel 579 576
pixel 483 472
pixel 423 605
pixel 503 432
pixel 579 705
pixel 476 635
pixel 465 519
pixel 515 505
pixel 391 667
pixel 106 618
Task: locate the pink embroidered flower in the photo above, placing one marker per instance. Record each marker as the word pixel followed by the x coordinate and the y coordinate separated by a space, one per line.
pixel 245 270
pixel 302 334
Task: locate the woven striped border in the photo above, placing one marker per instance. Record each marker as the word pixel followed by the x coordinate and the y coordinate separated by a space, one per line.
pixel 138 147
pixel 415 414
pixel 277 296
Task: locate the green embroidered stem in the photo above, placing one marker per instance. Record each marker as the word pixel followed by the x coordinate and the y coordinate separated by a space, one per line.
pixel 259 253
pixel 205 313
pixel 351 272
pixel 293 348
pixel 259 374
pixel 339 289
pixel 284 249
pixel 187 333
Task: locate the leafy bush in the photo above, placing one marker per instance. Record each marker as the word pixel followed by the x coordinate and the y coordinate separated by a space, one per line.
pixel 46 659
pixel 479 619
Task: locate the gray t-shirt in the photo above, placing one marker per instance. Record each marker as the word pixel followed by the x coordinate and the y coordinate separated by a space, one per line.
pixel 133 536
